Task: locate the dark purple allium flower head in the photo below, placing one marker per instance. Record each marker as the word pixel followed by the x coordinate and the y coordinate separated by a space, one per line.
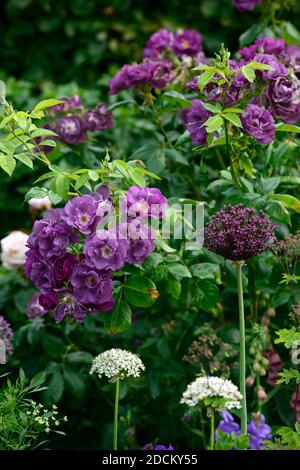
pixel 91 286
pixel 284 96
pixel 264 45
pixel 268 59
pixel 227 425
pixel 81 212
pixel 144 202
pixel 259 123
pixel 6 335
pixel 104 251
pixel 246 5
pixel 160 73
pixel 196 117
pixel 34 308
pixel 69 306
pixel 187 43
pixel 98 120
pixel 258 431
pixel 158 42
pixel 238 233
pixel 70 129
pixel 140 237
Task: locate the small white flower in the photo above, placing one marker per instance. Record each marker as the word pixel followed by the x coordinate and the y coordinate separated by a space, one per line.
pixel 212 387
pixel 13 249
pixel 39 204
pixel 117 364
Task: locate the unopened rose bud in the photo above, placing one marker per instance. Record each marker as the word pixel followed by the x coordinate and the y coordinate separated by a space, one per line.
pixel 261 394
pixel 249 381
pixel 262 372
pixel 271 312
pixel 256 367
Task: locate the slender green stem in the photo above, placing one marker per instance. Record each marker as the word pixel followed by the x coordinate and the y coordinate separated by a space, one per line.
pixel 212 429
pixel 242 347
pixel 116 415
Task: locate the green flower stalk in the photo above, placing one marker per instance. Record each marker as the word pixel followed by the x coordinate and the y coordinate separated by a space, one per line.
pixel 116 365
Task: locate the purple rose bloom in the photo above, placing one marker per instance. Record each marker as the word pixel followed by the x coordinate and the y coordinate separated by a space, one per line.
pixel 259 431
pixel 48 300
pixel 98 120
pixel 196 117
pixel 227 425
pixel 69 306
pixel 50 236
pixel 138 74
pixel 237 233
pixel 73 103
pixel 70 129
pixel 264 45
pixel 193 84
pixel 187 43
pixel 34 308
pixel 140 237
pixel 160 73
pixel 118 82
pixel 63 267
pixel 245 5
pixel 91 286
pixel 6 335
pixel 182 114
pixel 259 123
pixel 144 202
pixel 293 57
pixel 40 272
pixel 278 69
pixel 284 96
pixel 158 42
pixel 162 447
pixel 104 250
pixel 81 212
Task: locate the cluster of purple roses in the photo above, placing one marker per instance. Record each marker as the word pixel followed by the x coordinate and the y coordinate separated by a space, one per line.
pixel 72 120
pixel 163 49
pixel 276 93
pixel 74 251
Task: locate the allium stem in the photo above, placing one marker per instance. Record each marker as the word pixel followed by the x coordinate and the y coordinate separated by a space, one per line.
pixel 242 347
pixel 116 418
pixel 212 429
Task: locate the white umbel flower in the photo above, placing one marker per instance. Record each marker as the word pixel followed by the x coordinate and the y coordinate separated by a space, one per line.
pixel 117 364
pixel 212 387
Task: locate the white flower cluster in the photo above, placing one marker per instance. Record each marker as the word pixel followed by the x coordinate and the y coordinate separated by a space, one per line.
pixel 117 364
pixel 46 418
pixel 212 387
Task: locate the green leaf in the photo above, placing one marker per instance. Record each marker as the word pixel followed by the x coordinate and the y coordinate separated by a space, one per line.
pixel 53 346
pixel 213 123
pixel 42 133
pixel 137 177
pixel 25 159
pixel 7 163
pixel 81 180
pixel 62 184
pixel 55 389
pixel 2 92
pixel 6 146
pixel 140 291
pixel 289 201
pixel 207 271
pixel 45 104
pixel 213 108
pixel 233 118
pixel 248 73
pixel 258 66
pixel 205 295
pixel 288 337
pixel 287 128
pixel 205 77
pixel 247 164
pixel 79 357
pixel 36 192
pixel 173 287
pixel 183 138
pixel 179 97
pixel 74 383
pixel 119 319
pixel 178 270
